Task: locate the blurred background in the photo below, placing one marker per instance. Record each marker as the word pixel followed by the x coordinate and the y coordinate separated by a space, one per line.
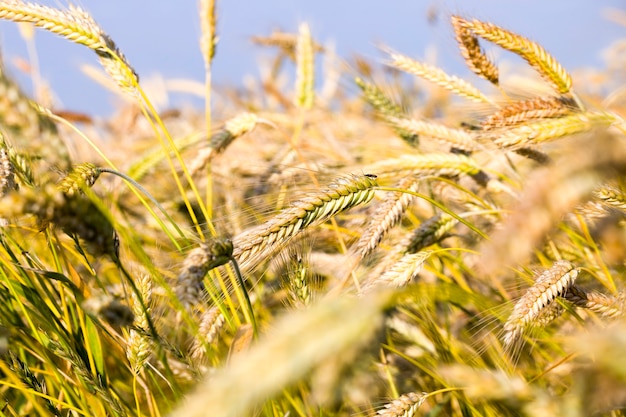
pixel 160 39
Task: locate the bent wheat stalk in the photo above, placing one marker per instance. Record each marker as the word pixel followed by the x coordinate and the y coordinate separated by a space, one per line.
pixel 346 192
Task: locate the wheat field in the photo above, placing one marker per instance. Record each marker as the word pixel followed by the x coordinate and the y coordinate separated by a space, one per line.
pixel 373 239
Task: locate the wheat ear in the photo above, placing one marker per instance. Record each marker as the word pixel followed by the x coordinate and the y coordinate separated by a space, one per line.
pixel 474 56
pixel 431 231
pixel 7 172
pixel 83 175
pixel 211 323
pixel 305 68
pixel 386 216
pixel 437 76
pixel 549 129
pixel 553 283
pixel 528 110
pixel 601 304
pixel 198 262
pixel 458 139
pixel 343 194
pixel 404 406
pixel 548 67
pixel 400 273
pixel 233 129
pixel 385 108
pixel 139 345
pixel 612 197
pixel 434 163
pixel 79 27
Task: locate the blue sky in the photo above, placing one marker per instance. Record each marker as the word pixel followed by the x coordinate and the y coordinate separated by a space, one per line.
pixel 161 36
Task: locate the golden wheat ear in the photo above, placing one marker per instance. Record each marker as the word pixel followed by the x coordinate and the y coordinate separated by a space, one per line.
pixel 538 58
pixel 553 283
pixel 474 56
pixel 78 26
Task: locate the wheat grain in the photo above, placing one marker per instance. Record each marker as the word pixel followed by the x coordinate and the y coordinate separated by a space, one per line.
pixel 474 56
pixel 341 195
pixel 533 53
pixel 553 283
pixel 386 216
pixel 437 76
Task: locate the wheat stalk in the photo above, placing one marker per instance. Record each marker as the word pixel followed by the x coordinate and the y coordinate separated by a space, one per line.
pixel 533 53
pixel 553 283
pixel 474 56
pixel 386 216
pixel 437 76
pixel 343 194
pixel 527 110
